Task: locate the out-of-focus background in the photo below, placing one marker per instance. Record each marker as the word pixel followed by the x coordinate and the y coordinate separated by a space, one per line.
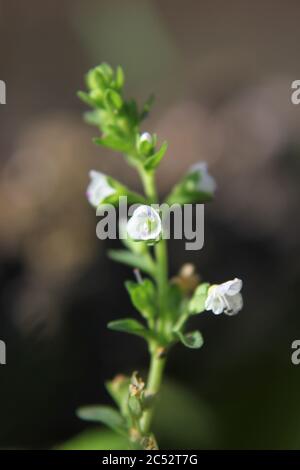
pixel 222 73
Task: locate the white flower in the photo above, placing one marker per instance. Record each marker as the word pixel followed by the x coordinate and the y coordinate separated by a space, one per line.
pixel 98 189
pixel 146 137
pixel 145 224
pixel 206 182
pixel 225 298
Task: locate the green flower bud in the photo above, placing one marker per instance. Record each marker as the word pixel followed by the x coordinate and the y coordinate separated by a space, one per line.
pixel 145 144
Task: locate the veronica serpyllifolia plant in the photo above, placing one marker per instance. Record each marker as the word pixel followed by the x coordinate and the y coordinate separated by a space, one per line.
pixel 165 305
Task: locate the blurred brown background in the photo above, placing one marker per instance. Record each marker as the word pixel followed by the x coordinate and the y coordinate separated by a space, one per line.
pixel 221 73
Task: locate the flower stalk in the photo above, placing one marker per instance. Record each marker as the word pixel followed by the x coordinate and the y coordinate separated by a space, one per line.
pixel 155 377
pixel 165 305
pixel 157 358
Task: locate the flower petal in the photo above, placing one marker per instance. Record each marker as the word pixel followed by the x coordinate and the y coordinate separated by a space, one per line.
pixel 145 224
pixel 207 183
pixel 217 305
pixel 213 301
pixel 98 189
pixel 146 137
pixel 231 287
pixel 236 304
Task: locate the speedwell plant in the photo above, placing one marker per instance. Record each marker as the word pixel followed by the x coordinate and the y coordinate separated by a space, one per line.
pixel 165 305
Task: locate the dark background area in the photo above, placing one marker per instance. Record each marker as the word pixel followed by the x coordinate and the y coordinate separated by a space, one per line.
pixel 221 73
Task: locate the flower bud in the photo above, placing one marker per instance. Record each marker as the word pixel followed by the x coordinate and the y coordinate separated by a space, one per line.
pixel 99 77
pixel 104 87
pixel 145 144
pixel 137 385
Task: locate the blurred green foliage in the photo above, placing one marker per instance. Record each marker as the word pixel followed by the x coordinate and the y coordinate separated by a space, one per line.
pixel 182 421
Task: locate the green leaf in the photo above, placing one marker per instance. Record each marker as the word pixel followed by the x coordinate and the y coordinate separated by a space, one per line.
pixel 95 79
pixel 118 388
pixel 178 405
pixel 132 198
pixel 145 147
pixel 136 260
pixel 92 117
pixel 116 131
pixel 193 340
pixel 147 106
pixel 85 97
pixel 96 439
pixel 187 192
pixel 130 326
pixel 106 70
pixel 99 77
pixel 131 110
pixel 121 190
pixel 154 160
pixel 113 99
pixel 114 143
pixel 135 407
pixel 105 415
pixel 173 302
pixel 120 78
pixel 144 297
pixel 97 96
pixel 197 302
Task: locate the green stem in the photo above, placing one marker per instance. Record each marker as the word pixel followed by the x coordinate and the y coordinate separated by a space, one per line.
pixel 161 255
pixel 160 248
pixel 149 185
pixel 155 376
pixel 157 362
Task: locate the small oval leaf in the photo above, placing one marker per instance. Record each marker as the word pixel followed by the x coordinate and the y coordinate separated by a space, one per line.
pixel 197 302
pixel 193 340
pixel 136 260
pixel 105 415
pixel 131 326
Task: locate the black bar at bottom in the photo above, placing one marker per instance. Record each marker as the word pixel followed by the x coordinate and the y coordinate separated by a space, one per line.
pixel 132 459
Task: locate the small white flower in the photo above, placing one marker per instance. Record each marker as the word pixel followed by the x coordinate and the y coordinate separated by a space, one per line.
pixel 98 189
pixel 145 224
pixel 206 183
pixel 225 297
pixel 146 137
